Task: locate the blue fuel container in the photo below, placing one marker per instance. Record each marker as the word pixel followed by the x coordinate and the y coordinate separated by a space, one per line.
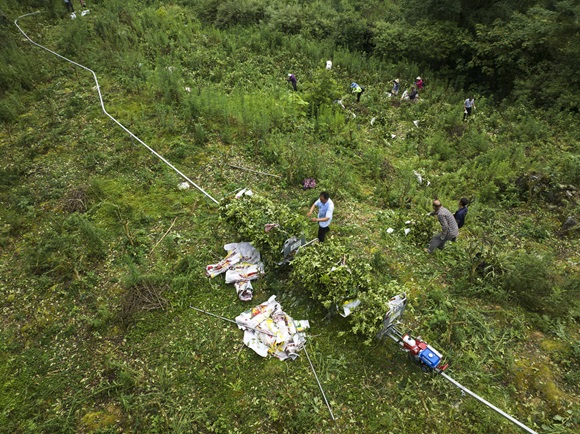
pixel 430 357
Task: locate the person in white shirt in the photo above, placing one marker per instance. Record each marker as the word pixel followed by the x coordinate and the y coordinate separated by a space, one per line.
pixel 468 105
pixel 325 210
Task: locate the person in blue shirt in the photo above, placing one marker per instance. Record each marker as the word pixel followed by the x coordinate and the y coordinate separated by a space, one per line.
pixel 461 212
pixel 325 210
pixel 395 90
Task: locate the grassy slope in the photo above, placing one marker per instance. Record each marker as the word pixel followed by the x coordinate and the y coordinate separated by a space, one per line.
pixel 68 364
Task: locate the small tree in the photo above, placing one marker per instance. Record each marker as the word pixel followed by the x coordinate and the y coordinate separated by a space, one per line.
pixel 322 89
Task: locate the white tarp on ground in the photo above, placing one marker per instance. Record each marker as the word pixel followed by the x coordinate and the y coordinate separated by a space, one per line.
pixel 269 330
pixel 241 265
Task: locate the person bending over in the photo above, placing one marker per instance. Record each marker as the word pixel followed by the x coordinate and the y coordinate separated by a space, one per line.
pixel 449 229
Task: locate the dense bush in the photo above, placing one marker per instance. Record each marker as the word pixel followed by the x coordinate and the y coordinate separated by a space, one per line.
pixel 243 12
pixel 322 89
pixel 248 216
pixel 529 281
pixel 331 273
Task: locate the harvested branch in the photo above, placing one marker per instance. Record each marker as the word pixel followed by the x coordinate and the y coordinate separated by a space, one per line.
pixel 76 200
pixel 164 235
pixel 144 295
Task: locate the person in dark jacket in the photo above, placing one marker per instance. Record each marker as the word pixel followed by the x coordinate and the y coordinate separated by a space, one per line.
pixel 461 212
pixel 69 6
pixel 292 79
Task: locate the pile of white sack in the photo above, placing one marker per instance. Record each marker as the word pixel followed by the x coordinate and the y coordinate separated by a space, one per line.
pixel 242 265
pixel 269 330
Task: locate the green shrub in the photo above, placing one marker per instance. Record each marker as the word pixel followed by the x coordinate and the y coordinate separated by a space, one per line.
pixel 321 89
pixel 473 143
pixel 439 147
pixel 569 172
pixel 249 215
pixel 331 273
pixel 10 108
pixel 285 18
pixel 239 12
pixel 529 281
pixel 422 229
pixel 168 85
pixel 368 317
pixel 403 187
pixel 66 250
pixel 398 41
pixel 353 32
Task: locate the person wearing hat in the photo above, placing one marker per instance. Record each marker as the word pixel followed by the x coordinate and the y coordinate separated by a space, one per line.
pixel 292 79
pixel 419 83
pixel 357 89
pixel 395 89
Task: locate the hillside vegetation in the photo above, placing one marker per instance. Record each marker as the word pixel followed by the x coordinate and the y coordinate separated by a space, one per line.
pixel 101 255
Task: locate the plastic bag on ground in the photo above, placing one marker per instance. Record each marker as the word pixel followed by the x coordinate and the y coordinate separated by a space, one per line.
pixel 232 258
pixel 348 306
pixel 246 250
pixel 245 191
pixel 269 330
pixel 243 271
pixel 244 290
pixel 241 265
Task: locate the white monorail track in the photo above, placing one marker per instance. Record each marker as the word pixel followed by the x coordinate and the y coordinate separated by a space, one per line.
pixel 107 113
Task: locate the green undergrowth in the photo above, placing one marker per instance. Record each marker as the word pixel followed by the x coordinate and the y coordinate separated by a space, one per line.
pixel 102 256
